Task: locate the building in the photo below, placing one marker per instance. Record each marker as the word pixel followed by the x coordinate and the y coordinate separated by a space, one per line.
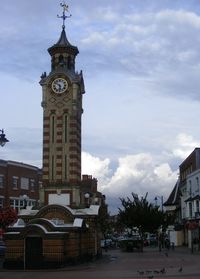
pixel 184 200
pixel 65 227
pixel 19 184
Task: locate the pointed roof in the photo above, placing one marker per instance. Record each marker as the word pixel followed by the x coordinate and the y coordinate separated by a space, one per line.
pixel 174 196
pixel 63 41
pixel 64 44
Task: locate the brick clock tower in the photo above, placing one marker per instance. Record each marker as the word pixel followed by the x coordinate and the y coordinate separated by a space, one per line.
pixel 62 91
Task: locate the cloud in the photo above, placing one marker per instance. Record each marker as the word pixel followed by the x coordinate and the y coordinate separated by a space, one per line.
pixel 140 173
pixel 184 145
pixel 25 145
pixel 161 46
pixel 149 42
pixel 97 167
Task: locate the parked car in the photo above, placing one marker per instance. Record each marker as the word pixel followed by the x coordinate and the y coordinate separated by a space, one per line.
pixel 2 248
pixel 105 243
pixel 152 240
pixel 130 244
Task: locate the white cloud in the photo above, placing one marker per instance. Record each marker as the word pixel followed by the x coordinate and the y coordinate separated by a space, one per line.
pixel 165 176
pixel 178 17
pixel 96 167
pixel 185 145
pixel 139 173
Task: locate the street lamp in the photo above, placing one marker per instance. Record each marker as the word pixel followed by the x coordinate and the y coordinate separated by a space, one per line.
pixel 3 138
pixel 87 198
pixel 161 198
pixel 25 198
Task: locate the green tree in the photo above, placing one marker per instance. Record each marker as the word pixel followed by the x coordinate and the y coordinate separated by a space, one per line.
pixel 104 221
pixel 139 213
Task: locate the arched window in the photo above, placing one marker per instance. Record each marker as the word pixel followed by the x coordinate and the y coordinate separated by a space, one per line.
pixel 65 122
pixel 61 60
pixel 65 166
pixel 53 64
pixel 52 168
pixel 52 128
pixel 69 61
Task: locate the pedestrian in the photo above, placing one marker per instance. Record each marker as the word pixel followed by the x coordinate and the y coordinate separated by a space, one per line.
pixel 167 243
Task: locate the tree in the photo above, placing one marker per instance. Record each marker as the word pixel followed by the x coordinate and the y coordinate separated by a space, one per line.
pixel 104 221
pixel 139 213
pixel 8 216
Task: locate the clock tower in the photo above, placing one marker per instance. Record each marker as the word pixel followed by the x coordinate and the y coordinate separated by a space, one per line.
pixel 62 91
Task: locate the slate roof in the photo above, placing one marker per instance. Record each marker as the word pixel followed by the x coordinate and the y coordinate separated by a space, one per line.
pixel 174 197
pixel 63 43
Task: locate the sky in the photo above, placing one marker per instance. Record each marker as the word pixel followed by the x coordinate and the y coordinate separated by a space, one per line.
pixel 141 67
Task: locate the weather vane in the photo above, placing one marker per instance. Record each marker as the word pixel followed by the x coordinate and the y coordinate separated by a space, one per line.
pixel 64 16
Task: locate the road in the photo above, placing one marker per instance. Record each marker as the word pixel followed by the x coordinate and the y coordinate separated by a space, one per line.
pixel 151 263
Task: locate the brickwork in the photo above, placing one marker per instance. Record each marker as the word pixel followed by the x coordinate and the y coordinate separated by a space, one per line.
pixel 19 179
pixel 60 243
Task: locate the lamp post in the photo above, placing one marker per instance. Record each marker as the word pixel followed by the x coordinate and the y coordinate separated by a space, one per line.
pixel 87 198
pixel 161 198
pixel 160 238
pixel 25 198
pixel 3 139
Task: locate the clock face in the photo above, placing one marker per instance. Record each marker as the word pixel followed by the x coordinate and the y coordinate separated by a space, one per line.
pixel 59 85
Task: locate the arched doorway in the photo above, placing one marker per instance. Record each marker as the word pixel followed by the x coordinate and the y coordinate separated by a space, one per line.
pixel 33 252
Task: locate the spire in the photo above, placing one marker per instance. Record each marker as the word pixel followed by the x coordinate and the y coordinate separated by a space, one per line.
pixel 63 41
pixel 64 16
pixel 63 53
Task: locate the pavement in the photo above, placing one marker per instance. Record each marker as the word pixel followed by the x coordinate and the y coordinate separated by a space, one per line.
pixel 178 263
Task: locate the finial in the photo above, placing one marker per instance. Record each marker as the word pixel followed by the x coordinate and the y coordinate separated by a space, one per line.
pixel 64 16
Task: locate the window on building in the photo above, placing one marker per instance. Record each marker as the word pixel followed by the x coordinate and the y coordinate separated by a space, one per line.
pixel 190 187
pixel 14 203
pixel 190 209
pixel 1 202
pixel 40 184
pixel 52 130
pixel 24 183
pixel 15 182
pixel 61 60
pixel 197 182
pixel 32 185
pixel 197 206
pixel 65 127
pixel 52 167
pixel 69 62
pixel 20 203
pixel 65 166
pixel 1 181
